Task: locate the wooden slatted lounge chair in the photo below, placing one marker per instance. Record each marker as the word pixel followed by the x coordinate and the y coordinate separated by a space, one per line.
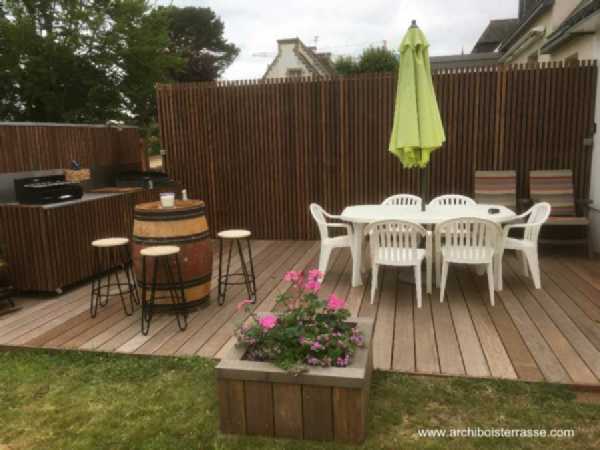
pixel 496 187
pixel 556 188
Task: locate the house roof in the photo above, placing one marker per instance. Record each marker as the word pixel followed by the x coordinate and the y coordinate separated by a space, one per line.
pixel 466 60
pixel 315 63
pixel 535 11
pixel 495 32
pixel 584 10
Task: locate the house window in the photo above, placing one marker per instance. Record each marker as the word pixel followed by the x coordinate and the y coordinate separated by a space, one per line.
pixel 572 60
pixel 294 73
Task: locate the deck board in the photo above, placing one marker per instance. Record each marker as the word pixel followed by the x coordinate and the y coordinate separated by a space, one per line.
pixel 551 334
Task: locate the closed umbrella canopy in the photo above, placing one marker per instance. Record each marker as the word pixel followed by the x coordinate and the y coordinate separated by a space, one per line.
pixel 417 129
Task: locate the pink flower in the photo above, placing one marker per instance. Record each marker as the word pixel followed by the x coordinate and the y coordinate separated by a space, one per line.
pixel 315 274
pixel 293 276
pixel 312 286
pixel 267 322
pixel 243 303
pixel 334 303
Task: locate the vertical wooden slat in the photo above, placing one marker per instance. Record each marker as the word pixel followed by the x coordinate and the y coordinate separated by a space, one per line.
pixel 232 406
pixel 287 401
pixel 317 401
pixel 259 408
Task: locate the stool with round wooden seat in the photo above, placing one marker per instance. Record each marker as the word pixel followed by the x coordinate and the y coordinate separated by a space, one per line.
pixel 235 238
pixel 112 256
pixel 165 279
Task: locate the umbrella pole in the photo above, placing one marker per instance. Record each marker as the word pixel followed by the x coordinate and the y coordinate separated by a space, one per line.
pixel 424 178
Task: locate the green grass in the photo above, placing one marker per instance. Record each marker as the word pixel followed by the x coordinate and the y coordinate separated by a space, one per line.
pixel 96 401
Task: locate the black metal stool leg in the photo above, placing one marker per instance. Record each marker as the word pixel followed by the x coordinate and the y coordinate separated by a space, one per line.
pixel 252 270
pixel 148 305
pixel 94 297
pixel 122 296
pixel 226 276
pixel 179 297
pixel 131 283
pixel 220 283
pixel 247 280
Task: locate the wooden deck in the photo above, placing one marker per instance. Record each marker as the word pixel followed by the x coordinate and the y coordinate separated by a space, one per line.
pixel 552 334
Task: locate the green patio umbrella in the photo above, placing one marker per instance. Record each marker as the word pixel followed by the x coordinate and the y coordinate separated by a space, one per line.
pixel 417 129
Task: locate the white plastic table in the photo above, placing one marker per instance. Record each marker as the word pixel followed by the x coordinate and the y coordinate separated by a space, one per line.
pixel 361 215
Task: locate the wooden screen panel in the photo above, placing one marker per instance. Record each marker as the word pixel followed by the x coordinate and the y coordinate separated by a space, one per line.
pixel 29 147
pixel 258 152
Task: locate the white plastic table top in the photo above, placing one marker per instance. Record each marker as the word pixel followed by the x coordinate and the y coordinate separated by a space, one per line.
pixel 433 214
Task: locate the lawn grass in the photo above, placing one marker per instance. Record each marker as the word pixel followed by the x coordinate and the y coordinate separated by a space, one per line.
pixel 78 400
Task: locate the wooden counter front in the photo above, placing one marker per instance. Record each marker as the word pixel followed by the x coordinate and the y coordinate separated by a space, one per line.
pixel 48 246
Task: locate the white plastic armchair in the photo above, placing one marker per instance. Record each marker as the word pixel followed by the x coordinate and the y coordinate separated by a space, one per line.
pixel 528 246
pixel 400 243
pixel 329 243
pixel 468 240
pixel 452 200
pixel 405 200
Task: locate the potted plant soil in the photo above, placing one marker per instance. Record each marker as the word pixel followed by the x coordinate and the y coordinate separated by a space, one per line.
pixel 302 373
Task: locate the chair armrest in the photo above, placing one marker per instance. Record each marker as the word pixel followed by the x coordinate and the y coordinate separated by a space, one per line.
pixel 331 216
pixel 340 225
pixel 506 229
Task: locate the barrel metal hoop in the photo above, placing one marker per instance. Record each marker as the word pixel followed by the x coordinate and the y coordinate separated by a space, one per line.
pixel 154 217
pixel 186 283
pixel 171 240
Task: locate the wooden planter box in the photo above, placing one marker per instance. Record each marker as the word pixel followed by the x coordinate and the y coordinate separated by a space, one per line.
pixel 321 404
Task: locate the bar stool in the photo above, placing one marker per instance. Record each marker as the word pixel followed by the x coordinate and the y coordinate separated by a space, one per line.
pixel 162 279
pixel 235 237
pixel 110 254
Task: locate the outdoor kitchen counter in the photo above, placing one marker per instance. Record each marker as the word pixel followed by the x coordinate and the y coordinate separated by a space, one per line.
pixel 48 246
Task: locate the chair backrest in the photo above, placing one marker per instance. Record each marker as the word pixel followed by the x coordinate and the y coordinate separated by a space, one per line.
pixel 395 240
pixel 496 187
pixel 554 187
pixel 469 234
pixel 407 200
pixel 538 214
pixel 452 200
pixel 318 214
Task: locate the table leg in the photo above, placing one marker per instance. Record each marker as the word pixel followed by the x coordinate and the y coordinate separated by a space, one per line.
pixel 357 241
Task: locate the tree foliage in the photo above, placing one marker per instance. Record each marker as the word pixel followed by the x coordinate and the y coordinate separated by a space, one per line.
pixel 371 60
pixel 97 60
pixel 196 35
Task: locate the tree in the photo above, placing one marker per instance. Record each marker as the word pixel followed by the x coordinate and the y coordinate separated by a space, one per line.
pixel 372 59
pixel 81 60
pixel 196 35
pixel 345 65
pixel 377 59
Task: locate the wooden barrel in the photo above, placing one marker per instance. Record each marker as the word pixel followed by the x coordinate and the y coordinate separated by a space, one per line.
pixel 185 226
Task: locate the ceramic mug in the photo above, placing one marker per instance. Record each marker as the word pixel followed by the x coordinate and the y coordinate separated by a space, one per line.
pixel 167 199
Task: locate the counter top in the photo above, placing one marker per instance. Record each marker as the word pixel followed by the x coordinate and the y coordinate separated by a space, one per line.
pixel 86 198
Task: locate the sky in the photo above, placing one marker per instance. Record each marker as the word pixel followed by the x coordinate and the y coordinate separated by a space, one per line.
pixel 347 27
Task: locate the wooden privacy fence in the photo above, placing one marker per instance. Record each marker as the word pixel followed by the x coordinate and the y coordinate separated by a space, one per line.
pixel 40 146
pixel 258 152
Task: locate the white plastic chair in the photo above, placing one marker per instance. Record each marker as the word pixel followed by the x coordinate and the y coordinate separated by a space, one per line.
pixel 452 200
pixel 329 243
pixel 468 240
pixel 528 246
pixel 398 243
pixel 406 200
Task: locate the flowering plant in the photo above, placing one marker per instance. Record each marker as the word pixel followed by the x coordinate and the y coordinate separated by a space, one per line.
pixel 308 331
